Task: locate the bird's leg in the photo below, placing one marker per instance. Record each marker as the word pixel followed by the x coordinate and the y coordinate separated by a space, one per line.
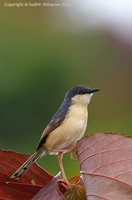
pixel 60 157
pixel 71 153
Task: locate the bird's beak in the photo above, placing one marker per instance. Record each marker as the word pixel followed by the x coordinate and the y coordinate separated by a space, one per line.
pixel 93 90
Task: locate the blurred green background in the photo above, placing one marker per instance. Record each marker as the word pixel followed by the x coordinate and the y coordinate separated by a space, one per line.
pixel 42 55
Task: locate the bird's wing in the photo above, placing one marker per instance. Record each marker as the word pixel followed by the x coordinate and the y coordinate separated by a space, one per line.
pixel 57 119
pixel 49 128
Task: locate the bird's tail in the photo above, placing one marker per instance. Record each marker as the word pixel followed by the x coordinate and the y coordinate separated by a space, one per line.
pixel 25 167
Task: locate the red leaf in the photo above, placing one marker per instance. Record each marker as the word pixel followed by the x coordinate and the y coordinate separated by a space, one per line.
pixel 10 161
pixel 106 164
pixel 25 188
pixel 52 191
pixel 15 191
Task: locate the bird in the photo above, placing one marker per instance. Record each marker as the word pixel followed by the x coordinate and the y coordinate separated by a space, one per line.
pixel 65 129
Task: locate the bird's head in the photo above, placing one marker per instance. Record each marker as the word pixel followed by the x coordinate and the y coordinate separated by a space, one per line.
pixel 80 94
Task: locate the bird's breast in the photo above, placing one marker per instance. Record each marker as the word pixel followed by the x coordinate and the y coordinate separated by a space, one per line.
pixel 70 131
